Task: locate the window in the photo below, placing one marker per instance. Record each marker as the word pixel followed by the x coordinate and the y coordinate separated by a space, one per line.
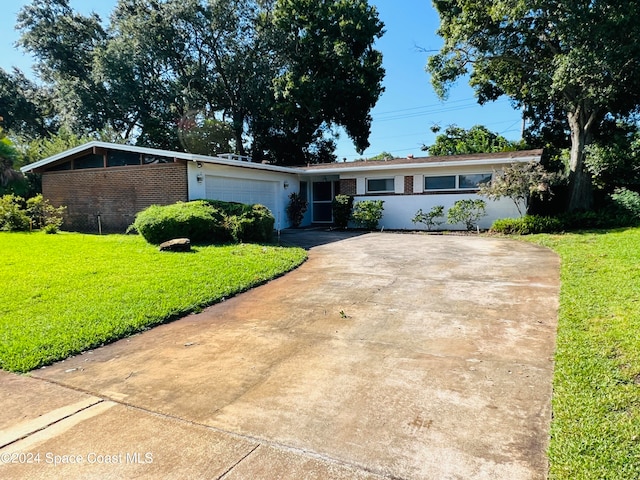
pixel 120 159
pixel 443 182
pixel 474 180
pixel 90 161
pixel 456 182
pixel 154 159
pixel 380 185
pixel 60 167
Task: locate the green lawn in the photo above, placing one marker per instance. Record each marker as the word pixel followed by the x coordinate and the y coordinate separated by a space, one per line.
pixel 595 432
pixel 65 293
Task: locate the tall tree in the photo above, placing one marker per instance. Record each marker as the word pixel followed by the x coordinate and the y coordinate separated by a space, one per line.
pixel 9 177
pixel 330 73
pixel 24 107
pixel 576 58
pixel 281 73
pixel 63 43
pixel 478 139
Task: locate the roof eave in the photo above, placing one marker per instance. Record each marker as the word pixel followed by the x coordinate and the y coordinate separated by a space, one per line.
pixel 152 151
pixel 378 166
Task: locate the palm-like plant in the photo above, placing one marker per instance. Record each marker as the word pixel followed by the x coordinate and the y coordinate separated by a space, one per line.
pixel 8 155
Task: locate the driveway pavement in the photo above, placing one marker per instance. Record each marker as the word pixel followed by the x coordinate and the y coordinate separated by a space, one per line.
pixel 384 356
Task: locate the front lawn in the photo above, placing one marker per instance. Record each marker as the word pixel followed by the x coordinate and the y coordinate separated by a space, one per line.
pixel 595 432
pixel 66 293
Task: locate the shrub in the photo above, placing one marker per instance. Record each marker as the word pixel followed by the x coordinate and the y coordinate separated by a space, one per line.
pixel 429 219
pixel 205 221
pixel 368 213
pixel 246 223
pixel 529 224
pixel 254 224
pixel 342 207
pixel 44 215
pixel 296 208
pixel 13 217
pixel 627 200
pixel 467 211
pixel 607 218
pixel 199 221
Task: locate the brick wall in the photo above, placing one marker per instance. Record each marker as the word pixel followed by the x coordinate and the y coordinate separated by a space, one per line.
pixel 116 193
pixel 348 186
pixel 408 185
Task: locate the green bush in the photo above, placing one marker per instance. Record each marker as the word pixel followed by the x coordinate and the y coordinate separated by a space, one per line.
pixel 627 200
pixel 44 215
pixel 205 221
pixel 198 221
pixel 13 217
pixel 254 224
pixel 296 209
pixel 594 220
pixel 430 219
pixel 246 223
pixel 467 211
pixel 368 213
pixel 529 224
pixel 342 207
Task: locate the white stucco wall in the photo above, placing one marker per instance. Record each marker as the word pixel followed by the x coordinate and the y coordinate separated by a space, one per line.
pixel 197 189
pixel 400 209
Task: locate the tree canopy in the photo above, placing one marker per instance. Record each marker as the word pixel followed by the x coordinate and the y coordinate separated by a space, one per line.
pixel 575 59
pixel 478 139
pixel 273 76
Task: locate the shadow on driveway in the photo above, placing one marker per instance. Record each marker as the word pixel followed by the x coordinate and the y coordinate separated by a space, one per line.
pixel 313 237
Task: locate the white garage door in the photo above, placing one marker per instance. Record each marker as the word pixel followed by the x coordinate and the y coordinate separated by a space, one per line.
pixel 242 191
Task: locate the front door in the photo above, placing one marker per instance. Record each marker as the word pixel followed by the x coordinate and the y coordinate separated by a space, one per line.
pixel 322 196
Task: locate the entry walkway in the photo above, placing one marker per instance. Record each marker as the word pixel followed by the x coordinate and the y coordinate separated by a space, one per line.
pixel 384 356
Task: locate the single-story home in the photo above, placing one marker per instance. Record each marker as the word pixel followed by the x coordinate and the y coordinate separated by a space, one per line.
pixel 108 184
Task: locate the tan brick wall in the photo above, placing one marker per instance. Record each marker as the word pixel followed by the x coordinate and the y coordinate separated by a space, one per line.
pixel 116 193
pixel 348 186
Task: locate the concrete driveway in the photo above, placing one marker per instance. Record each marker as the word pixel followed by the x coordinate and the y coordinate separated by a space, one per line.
pixel 393 356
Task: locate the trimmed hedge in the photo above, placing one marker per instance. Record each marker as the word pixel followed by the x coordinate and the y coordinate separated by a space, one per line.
pixel 527 225
pixel 205 221
pixel 531 224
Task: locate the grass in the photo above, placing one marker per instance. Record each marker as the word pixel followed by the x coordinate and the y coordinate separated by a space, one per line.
pixel 595 432
pixel 66 293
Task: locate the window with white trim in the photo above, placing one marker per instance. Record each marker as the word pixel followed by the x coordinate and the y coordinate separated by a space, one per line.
pixel 380 185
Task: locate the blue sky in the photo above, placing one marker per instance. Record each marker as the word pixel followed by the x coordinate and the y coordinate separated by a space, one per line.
pixel 406 110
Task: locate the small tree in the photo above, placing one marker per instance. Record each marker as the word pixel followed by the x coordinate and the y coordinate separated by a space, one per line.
pixel 430 219
pixel 44 215
pixel 296 208
pixel 342 206
pixel 13 218
pixel 520 182
pixel 467 211
pixel 368 213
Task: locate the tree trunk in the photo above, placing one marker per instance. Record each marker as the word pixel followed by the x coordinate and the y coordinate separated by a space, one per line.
pixel 581 122
pixel 238 129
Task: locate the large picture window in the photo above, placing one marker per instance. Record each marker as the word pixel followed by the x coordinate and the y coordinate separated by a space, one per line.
pixel 443 182
pixel 474 181
pixel 470 181
pixel 380 185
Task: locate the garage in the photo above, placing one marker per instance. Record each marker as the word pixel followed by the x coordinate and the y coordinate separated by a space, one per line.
pixel 243 190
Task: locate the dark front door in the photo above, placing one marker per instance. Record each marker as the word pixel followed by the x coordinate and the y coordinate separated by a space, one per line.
pixel 322 197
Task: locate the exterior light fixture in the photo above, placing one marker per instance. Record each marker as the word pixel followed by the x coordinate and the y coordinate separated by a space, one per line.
pixel 286 185
pixel 200 178
pixel 199 164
